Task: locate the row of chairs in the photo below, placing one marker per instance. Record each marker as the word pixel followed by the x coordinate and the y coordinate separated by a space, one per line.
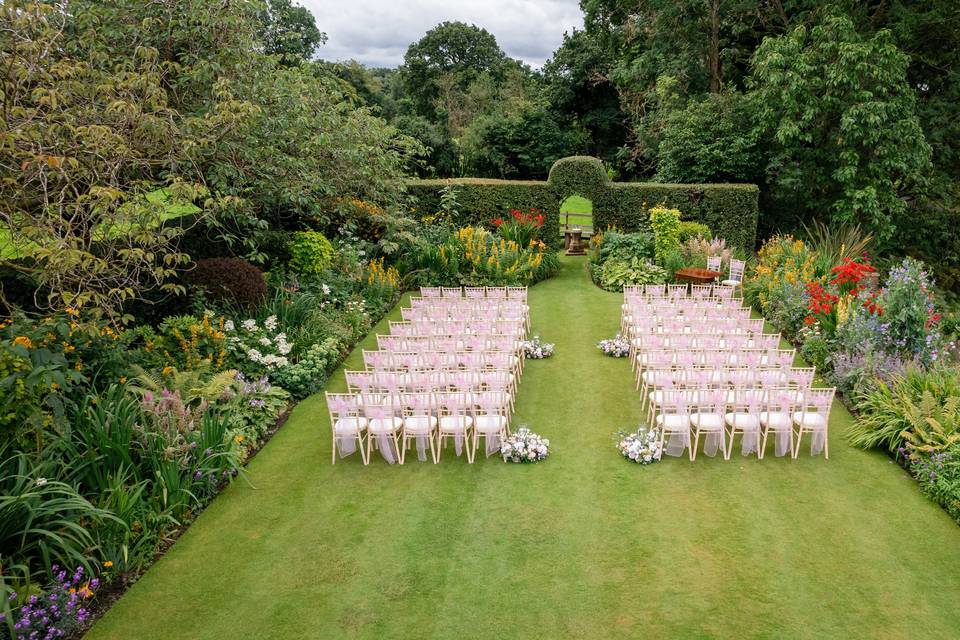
pixel 497 293
pixel 684 415
pixel 394 422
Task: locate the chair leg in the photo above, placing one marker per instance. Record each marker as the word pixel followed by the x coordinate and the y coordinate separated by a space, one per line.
pixel 334 452
pixel 796 450
pixel 696 444
pixel 826 444
pixel 436 458
pixel 396 446
pixel 762 442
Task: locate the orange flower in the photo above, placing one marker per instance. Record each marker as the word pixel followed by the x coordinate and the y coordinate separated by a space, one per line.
pixel 23 341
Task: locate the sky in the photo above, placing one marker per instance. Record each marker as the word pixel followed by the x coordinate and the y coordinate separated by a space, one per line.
pixel 378 32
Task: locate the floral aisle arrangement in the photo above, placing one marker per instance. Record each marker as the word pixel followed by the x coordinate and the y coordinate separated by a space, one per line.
pixel 537 349
pixel 617 347
pixel 524 446
pixel 641 446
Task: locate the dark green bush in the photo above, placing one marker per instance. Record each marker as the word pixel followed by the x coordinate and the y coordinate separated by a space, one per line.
pixel 230 280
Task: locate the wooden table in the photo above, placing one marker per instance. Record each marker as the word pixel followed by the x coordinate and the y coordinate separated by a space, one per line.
pixel 696 275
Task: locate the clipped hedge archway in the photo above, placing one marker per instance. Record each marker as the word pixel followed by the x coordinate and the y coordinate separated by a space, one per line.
pixel 730 210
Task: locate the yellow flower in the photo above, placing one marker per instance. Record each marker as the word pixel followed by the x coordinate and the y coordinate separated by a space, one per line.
pixel 54 386
pixel 167 371
pixel 123 379
pixel 108 564
pixel 23 341
pixel 238 439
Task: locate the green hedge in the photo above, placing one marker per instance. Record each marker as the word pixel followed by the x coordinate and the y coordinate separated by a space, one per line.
pixel 730 210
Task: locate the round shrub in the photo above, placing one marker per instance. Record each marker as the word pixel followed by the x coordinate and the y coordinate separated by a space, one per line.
pixel 310 252
pixel 690 229
pixel 230 279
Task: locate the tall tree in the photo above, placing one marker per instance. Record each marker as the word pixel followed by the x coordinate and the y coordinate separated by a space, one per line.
pixel 289 30
pixel 578 89
pixel 842 120
pixel 449 58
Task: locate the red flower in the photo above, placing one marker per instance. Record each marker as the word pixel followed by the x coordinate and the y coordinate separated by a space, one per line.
pixel 539 219
pixel 497 222
pixel 516 214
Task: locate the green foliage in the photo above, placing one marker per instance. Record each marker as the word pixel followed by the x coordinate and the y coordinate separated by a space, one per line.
pixel 43 520
pixel 310 252
pixel 473 256
pixel 615 273
pixel 232 280
pixel 713 140
pixel 289 31
pixel 920 403
pixel 666 232
pixel 843 120
pixel 452 54
pixel 832 243
pixel 730 210
pixel 308 374
pixel 616 245
pixel 690 230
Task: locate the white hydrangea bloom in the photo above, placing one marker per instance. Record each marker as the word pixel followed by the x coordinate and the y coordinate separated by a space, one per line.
pixel 270 323
pixel 249 324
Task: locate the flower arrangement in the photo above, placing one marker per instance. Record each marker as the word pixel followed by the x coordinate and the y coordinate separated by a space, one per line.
pixel 642 446
pixel 536 349
pixel 524 446
pixel 617 347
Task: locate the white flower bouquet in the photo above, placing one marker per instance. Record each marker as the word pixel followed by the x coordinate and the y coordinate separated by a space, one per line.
pixel 617 347
pixel 524 446
pixel 642 446
pixel 536 349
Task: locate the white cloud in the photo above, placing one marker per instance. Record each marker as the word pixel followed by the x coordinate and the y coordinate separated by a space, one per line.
pixel 378 32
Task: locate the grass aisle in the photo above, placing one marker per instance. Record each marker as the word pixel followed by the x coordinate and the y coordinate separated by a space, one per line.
pixel 583 545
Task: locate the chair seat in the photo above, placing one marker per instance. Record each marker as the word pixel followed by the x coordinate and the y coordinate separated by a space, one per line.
pixel 730 283
pixel 419 424
pixel 809 420
pixel 674 422
pixel 490 423
pixel 455 424
pixel 707 421
pixel 743 421
pixel 346 426
pixel 384 425
pixel 776 420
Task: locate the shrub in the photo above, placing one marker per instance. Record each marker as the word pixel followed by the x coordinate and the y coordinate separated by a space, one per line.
pixel 615 273
pixel 310 372
pixel 231 280
pixel 623 246
pixel 783 264
pixel 310 252
pixel 939 477
pixel 697 249
pixel 919 401
pixel 690 230
pixel 666 232
pixel 909 312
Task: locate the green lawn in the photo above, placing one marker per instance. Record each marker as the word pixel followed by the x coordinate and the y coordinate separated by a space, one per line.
pixel 577 204
pixel 584 545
